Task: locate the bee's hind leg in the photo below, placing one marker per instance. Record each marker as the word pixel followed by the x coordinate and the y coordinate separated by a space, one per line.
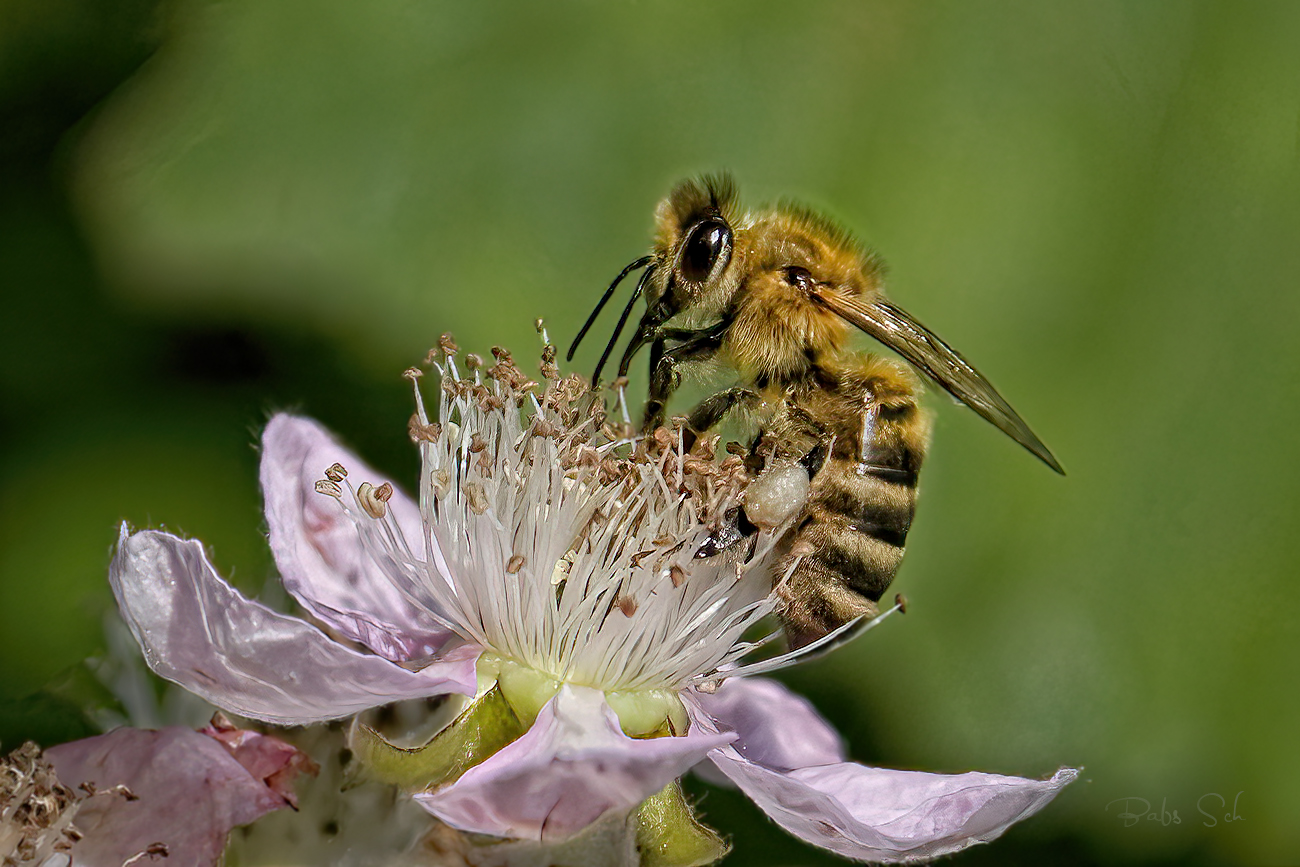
pixel 816 459
pixel 735 528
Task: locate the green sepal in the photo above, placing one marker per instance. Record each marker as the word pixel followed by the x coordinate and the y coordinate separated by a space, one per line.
pixel 484 727
pixel 669 835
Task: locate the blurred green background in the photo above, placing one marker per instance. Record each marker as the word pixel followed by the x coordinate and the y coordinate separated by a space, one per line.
pixel 210 211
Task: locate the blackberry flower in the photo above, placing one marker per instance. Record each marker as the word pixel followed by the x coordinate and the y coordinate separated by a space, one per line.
pixel 547 579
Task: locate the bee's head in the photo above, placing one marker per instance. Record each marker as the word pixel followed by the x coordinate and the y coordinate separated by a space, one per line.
pixel 694 266
pixel 691 269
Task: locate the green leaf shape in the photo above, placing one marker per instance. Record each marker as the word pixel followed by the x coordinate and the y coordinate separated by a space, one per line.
pixel 669 835
pixel 482 729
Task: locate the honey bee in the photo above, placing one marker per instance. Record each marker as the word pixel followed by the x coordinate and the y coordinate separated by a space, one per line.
pixel 774 295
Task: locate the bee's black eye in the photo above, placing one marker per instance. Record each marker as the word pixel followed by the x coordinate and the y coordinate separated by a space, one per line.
pixel 800 278
pixel 708 243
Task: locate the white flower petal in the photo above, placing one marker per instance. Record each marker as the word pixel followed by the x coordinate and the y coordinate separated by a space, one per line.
pixel 764 714
pixel 319 553
pixel 196 630
pixel 573 766
pixel 877 814
pixel 190 792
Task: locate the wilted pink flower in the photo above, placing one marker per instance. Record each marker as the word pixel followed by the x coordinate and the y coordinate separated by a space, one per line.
pixel 271 760
pixel 544 566
pixel 136 796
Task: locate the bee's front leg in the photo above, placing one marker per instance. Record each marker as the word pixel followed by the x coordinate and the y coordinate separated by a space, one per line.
pixel 686 346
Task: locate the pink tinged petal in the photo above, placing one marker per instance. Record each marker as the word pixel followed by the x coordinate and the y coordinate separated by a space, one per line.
pixel 189 793
pixel 319 552
pixel 198 631
pixel 764 713
pixel 276 763
pixel 573 766
pixel 882 815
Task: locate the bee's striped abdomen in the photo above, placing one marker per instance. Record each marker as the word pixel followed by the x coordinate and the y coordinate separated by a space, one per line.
pixel 850 541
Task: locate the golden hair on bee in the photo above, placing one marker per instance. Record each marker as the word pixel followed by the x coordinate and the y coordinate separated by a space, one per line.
pixel 778 329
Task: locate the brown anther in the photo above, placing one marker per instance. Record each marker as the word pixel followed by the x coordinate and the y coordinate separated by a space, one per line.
pixel 516 562
pixel 571 388
pixel 374 499
pixel 735 448
pixel 328 488
pixel 548 353
pixel 412 373
pixel 447 344
pixel 612 470
pixel 901 601
pixel 626 604
pixel 477 443
pixel 485 464
pixel 732 466
pixel 639 556
pixel 698 465
pixel 543 428
pixel 473 361
pixel 336 472
pixel 539 324
pixel 475 496
pixel 419 432
pixel 677 575
pixel 154 850
pixel 500 353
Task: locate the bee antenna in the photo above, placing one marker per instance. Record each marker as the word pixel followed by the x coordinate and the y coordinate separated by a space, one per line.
pixel 639 263
pixel 622 321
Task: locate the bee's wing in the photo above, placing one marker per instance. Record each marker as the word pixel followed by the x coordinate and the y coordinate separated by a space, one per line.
pixel 896 328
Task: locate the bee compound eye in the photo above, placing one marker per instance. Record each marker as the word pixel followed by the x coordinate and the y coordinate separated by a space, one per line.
pixel 708 243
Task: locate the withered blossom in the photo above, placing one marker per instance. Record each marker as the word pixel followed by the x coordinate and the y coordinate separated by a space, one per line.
pixel 138 796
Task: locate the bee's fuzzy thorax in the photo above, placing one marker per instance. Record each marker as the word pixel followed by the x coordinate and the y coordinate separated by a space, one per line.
pixel 780 331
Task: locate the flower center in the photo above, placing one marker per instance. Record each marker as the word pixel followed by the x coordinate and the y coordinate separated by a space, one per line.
pixel 570 551
pixel 641 713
